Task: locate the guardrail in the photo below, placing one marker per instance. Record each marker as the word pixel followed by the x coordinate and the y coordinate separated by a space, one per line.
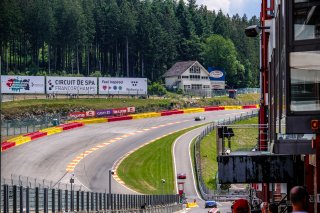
pixel 43 198
pixel 205 192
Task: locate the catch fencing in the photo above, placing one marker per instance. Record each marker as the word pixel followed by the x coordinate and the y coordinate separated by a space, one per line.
pixel 219 195
pixel 42 196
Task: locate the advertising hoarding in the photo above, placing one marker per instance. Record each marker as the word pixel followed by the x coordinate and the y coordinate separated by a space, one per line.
pixel 71 85
pixel 103 112
pixel 77 114
pixel 217 78
pixel 123 86
pixel 22 84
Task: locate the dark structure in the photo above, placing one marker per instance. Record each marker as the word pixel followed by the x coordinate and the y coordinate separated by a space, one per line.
pixel 289 105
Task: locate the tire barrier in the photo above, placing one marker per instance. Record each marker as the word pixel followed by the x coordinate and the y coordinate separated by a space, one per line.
pixel 146 115
pixel 35 135
pixel 193 110
pixel 171 112
pixel 7 145
pixel 119 118
pixel 52 130
pixel 72 125
pixel 81 122
pixel 214 108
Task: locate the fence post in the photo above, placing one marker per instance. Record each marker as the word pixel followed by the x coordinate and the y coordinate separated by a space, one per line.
pixel 14 204
pixel 78 201
pixel 71 200
pixel 59 200
pixel 82 201
pixel 66 199
pixel 104 201
pixel 37 200
pixel 92 201
pixel 6 199
pixel 27 200
pixel 88 201
pixel 45 199
pixel 53 200
pixel 21 198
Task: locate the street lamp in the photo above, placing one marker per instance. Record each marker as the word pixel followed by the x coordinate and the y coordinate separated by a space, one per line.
pixel 71 195
pixel 111 172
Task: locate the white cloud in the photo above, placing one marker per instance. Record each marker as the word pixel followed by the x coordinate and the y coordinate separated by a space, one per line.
pixel 216 5
pixel 250 7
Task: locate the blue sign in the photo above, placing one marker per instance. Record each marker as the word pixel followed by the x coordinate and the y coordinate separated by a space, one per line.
pixel 216 74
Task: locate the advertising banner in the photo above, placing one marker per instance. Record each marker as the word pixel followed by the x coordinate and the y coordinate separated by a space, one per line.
pixel 104 112
pixel 77 114
pixel 22 84
pixel 90 114
pixel 217 78
pixel 123 86
pixel 131 109
pixel 119 111
pixel 71 85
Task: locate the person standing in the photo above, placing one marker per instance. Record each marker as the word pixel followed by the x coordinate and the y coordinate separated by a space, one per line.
pixel 300 199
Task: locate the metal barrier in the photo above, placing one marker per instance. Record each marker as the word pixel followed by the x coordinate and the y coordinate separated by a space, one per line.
pixel 16 198
pixel 204 190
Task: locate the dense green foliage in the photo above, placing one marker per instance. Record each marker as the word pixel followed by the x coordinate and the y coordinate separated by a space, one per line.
pixel 134 38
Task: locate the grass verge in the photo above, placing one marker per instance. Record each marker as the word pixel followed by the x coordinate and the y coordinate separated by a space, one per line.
pixel 144 169
pixel 13 109
pixel 244 139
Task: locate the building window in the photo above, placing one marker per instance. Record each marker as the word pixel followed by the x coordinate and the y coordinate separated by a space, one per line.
pixel 187 87
pixel 204 77
pixel 305 81
pixel 195 69
pixel 194 77
pixel 185 76
pixel 206 87
pixel 196 86
pixel 306 19
pixel 179 77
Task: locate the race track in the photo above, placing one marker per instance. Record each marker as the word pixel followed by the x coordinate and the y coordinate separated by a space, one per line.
pixel 48 157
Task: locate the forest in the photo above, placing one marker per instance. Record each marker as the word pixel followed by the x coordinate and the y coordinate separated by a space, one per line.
pixel 124 38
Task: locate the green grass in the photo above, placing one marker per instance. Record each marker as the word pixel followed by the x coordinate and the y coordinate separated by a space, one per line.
pixel 20 108
pixel 244 139
pixel 144 169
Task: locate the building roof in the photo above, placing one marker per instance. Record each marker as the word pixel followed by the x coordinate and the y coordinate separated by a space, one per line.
pixel 179 68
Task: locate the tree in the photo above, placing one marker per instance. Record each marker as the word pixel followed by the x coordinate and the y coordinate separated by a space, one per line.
pixel 221 52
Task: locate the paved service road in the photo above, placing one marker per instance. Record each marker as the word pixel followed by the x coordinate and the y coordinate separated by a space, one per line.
pixel 48 157
pixel 183 164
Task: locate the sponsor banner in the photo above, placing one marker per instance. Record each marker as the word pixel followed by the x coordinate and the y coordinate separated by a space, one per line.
pixel 77 114
pixel 22 84
pixel 123 86
pixel 103 113
pixel 218 84
pixel 216 74
pixel 119 111
pixel 71 85
pixel 90 114
pixel 131 109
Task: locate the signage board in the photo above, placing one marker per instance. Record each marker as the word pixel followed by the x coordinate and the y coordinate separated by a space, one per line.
pixel 77 114
pixel 103 112
pixel 22 84
pixel 71 85
pixel 123 86
pixel 217 78
pixel 118 111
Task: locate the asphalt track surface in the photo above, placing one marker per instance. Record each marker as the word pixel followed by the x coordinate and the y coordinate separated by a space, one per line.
pixel 48 157
pixel 183 164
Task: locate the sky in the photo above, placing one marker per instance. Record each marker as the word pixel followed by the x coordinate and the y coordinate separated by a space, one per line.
pixel 249 7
